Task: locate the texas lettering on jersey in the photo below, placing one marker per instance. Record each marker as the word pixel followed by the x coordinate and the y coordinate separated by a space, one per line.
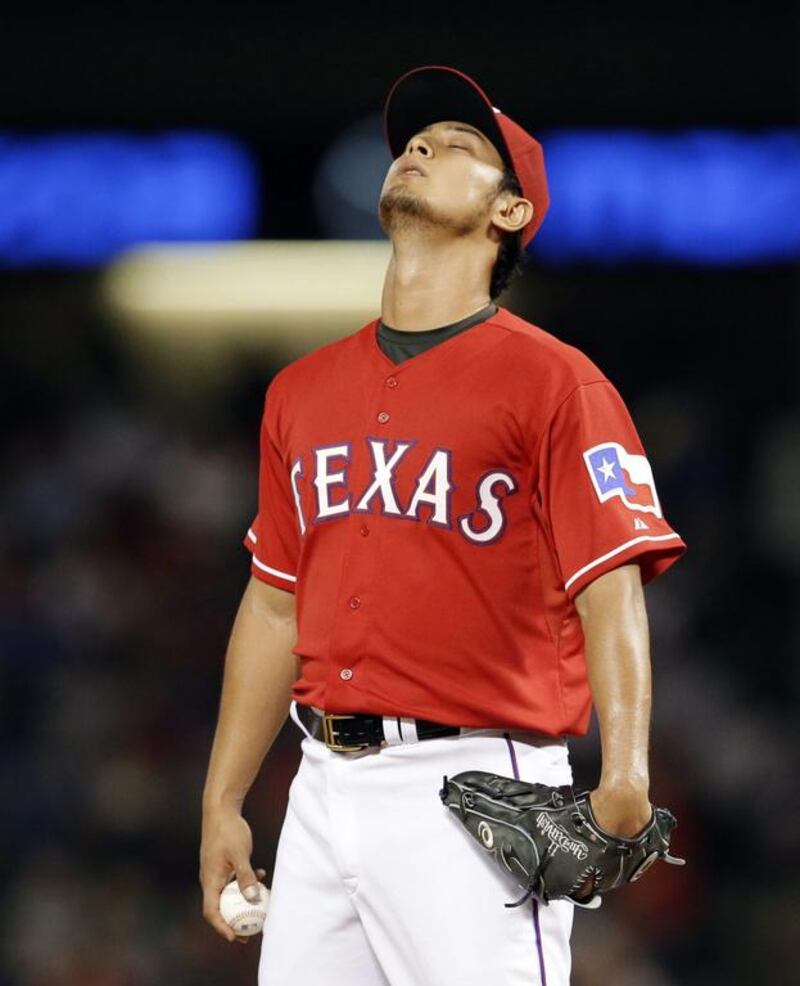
pixel 430 502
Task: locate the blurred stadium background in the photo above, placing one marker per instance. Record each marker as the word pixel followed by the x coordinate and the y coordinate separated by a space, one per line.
pixel 187 201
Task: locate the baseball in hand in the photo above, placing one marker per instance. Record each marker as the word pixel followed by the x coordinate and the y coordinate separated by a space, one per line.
pixel 244 916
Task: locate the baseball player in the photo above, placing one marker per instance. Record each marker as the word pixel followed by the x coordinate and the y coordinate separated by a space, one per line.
pixel 455 520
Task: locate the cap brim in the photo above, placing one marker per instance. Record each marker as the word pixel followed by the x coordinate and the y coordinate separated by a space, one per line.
pixel 434 93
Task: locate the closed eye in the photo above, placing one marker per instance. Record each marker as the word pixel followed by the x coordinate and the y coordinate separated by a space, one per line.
pixel 459 147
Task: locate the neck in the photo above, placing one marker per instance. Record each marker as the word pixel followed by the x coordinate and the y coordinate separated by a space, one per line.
pixel 433 283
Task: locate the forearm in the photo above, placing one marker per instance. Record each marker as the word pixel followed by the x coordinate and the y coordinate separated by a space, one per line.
pixel 616 632
pixel 260 669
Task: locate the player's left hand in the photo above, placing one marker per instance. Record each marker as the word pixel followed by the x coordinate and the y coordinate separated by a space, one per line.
pixel 620 812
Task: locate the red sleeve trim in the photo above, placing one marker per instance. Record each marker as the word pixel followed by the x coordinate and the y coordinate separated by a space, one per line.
pixel 269 575
pixel 274 576
pixel 667 547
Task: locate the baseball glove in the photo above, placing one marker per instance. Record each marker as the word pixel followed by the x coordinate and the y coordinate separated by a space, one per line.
pixel 548 838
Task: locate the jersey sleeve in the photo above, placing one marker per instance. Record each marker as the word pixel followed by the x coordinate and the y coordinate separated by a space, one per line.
pixel 597 493
pixel 273 538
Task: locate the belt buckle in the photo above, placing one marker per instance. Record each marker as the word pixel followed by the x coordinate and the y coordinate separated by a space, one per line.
pixel 329 733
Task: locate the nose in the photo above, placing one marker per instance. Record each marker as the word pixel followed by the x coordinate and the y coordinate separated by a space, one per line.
pixel 418 143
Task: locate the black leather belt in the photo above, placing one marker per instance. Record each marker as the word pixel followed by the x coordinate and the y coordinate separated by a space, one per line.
pixel 348 731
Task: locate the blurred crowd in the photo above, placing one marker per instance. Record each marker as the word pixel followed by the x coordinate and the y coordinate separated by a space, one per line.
pixel 122 566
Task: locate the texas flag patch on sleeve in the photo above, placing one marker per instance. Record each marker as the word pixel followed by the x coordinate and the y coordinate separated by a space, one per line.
pixel 616 472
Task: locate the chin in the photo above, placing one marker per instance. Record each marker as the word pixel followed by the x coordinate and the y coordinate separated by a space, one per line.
pixel 399 201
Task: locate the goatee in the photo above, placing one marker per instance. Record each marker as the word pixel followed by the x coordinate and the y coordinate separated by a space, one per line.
pixel 399 209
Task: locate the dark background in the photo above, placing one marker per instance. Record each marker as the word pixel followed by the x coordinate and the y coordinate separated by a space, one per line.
pixel 122 510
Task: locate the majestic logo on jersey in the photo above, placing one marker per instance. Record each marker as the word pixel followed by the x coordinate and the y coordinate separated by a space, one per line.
pixel 615 472
pixel 432 487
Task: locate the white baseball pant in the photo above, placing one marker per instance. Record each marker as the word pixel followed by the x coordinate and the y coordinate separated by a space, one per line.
pixel 377 883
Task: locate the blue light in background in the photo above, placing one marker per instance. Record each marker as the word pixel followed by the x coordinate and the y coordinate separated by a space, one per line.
pixel 705 197
pixel 700 197
pixel 78 199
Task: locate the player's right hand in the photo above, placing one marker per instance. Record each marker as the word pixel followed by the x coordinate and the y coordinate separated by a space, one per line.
pixel 225 850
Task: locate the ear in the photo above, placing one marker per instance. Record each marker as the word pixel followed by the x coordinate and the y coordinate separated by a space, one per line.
pixel 511 213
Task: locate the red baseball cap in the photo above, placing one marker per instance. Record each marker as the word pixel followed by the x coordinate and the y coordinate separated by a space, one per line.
pixel 431 93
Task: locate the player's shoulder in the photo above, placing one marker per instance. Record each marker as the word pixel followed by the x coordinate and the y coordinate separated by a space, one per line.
pixel 542 353
pixel 295 375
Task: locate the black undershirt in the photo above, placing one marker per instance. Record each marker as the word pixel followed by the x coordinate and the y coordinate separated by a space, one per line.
pixel 402 344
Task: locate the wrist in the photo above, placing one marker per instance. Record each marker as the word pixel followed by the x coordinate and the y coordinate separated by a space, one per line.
pixel 621 810
pixel 634 787
pixel 217 802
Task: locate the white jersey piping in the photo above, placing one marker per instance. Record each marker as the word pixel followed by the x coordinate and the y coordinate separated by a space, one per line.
pixel 274 571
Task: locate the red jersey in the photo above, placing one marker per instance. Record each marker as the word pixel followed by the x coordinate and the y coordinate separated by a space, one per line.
pixel 437 517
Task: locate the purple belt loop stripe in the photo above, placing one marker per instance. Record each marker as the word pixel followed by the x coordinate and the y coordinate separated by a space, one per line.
pixel 542 972
pixel 513 754
pixel 535 903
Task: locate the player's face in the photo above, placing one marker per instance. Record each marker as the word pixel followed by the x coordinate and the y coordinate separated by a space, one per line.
pixel 447 175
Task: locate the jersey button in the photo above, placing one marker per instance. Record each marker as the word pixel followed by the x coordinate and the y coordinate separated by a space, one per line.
pixel 383 417
pixel 391 381
pixel 355 602
pixel 364 530
pixel 346 674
